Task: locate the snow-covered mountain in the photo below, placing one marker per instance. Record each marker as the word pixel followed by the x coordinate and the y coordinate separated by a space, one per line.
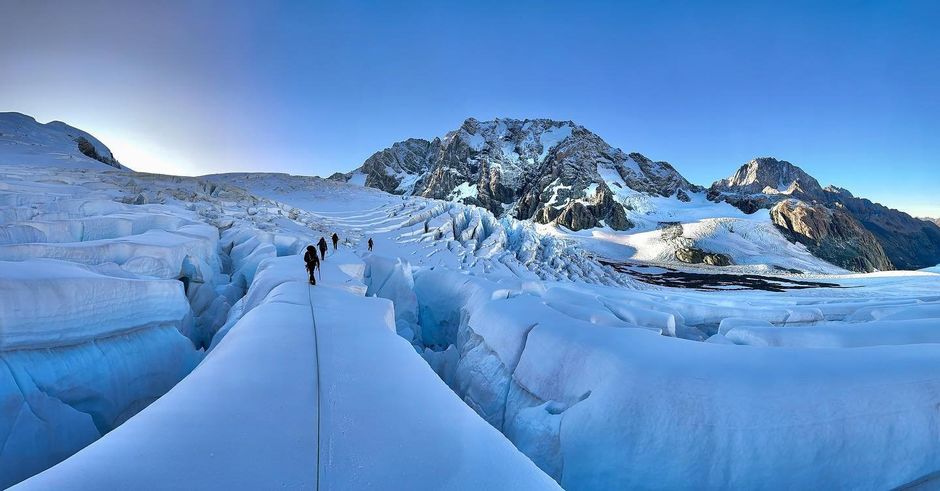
pixel 549 171
pixel 764 181
pixel 851 232
pixel 561 173
pixel 25 141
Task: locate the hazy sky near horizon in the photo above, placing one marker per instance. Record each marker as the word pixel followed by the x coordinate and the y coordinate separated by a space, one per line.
pixel 848 90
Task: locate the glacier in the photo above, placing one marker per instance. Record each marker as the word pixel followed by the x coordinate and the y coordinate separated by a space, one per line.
pixel 158 331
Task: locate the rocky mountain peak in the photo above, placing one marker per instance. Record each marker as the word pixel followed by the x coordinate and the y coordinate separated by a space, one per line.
pixel 767 175
pixel 541 169
pixel 836 190
pixel 834 224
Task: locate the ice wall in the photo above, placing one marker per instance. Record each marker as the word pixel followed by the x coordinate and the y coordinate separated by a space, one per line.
pixel 104 306
pixel 81 353
pixel 599 405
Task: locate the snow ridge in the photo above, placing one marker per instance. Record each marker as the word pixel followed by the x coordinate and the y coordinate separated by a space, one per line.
pixel 24 141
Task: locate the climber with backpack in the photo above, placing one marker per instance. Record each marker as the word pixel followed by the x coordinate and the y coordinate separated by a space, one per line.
pixel 323 248
pixel 313 263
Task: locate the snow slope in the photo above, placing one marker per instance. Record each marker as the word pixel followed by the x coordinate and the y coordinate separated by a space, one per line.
pixel 26 142
pixel 664 225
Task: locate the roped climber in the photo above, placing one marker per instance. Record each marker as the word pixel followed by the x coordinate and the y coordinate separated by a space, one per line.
pixel 313 263
pixel 323 247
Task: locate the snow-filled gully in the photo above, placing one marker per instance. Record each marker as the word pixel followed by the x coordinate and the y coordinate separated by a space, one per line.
pixel 598 404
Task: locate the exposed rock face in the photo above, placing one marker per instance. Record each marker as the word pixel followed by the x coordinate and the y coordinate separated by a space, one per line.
pixel 841 222
pixel 909 243
pixel 545 170
pixel 389 169
pixel 686 251
pixel 831 234
pixel 769 176
pixel 89 150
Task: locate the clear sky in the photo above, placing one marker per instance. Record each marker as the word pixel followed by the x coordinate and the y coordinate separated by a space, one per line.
pixel 850 91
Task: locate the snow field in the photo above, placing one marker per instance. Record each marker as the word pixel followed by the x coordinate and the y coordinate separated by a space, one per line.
pixel 752 241
pixel 26 143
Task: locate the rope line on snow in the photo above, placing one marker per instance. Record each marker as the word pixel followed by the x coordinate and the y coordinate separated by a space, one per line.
pixel 316 351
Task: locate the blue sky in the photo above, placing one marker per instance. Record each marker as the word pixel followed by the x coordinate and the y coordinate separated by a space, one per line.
pixel 850 91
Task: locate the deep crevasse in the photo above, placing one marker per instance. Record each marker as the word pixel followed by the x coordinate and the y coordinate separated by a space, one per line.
pixel 255 402
pixel 106 305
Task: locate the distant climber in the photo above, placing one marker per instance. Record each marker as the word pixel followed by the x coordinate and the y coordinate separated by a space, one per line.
pixel 323 247
pixel 313 263
pixel 335 240
pixel 370 243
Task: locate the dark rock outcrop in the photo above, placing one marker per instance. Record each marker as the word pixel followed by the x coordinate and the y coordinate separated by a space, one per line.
pixel 693 255
pixel 909 243
pixel 89 150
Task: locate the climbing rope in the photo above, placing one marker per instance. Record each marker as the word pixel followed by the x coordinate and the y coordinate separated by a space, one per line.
pixel 316 351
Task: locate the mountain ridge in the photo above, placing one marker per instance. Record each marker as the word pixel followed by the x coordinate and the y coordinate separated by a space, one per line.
pixel 883 238
pixel 552 171
pixel 541 169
